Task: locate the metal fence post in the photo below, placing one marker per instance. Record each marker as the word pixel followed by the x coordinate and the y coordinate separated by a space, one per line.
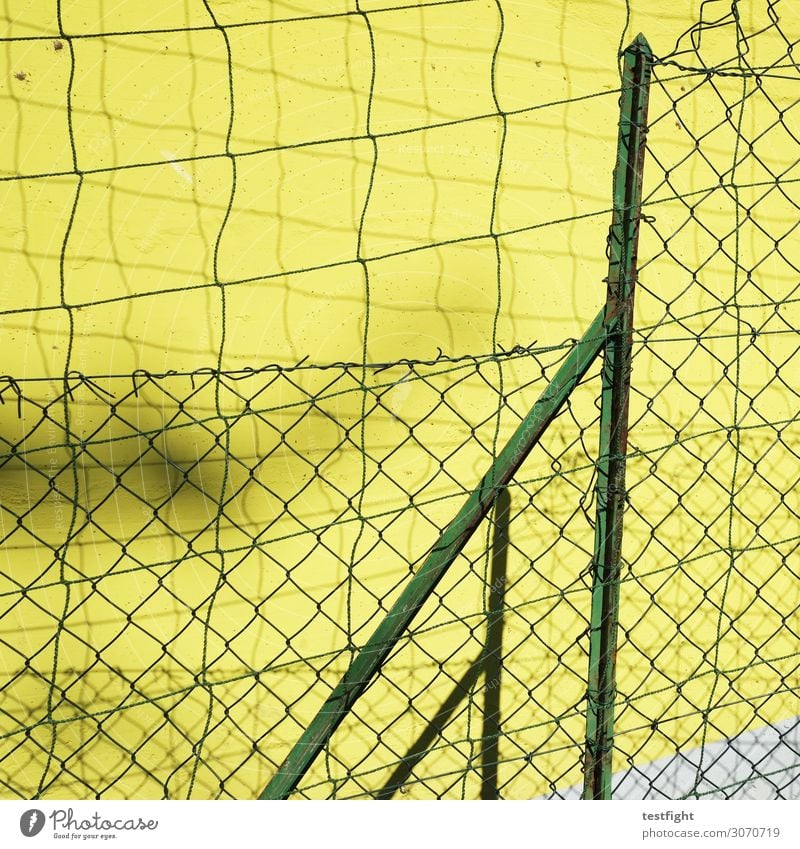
pixel 610 486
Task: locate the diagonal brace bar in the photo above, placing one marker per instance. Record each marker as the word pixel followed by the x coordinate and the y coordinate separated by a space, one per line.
pixel 610 486
pixel 375 651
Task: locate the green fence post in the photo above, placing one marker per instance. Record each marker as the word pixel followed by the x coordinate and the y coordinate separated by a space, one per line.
pixel 610 487
pixel 375 651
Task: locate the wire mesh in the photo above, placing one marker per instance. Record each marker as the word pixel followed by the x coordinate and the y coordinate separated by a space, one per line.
pixel 250 258
pixel 709 615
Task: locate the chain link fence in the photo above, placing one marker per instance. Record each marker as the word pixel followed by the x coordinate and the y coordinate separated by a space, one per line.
pixel 181 585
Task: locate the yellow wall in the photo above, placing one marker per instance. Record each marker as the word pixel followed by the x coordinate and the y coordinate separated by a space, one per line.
pixel 341 229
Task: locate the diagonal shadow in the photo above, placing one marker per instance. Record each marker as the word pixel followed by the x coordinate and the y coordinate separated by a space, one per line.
pixel 490 662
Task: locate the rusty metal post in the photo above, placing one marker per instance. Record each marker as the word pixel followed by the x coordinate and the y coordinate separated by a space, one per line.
pixel 610 486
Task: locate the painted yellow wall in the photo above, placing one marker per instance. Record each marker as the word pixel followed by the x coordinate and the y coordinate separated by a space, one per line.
pixel 267 179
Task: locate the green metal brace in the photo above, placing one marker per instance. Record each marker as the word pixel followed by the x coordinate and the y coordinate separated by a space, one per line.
pixel 372 656
pixel 375 651
pixel 610 488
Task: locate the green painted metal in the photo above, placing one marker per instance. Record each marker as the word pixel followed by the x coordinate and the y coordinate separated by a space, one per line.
pixel 375 651
pixel 610 486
